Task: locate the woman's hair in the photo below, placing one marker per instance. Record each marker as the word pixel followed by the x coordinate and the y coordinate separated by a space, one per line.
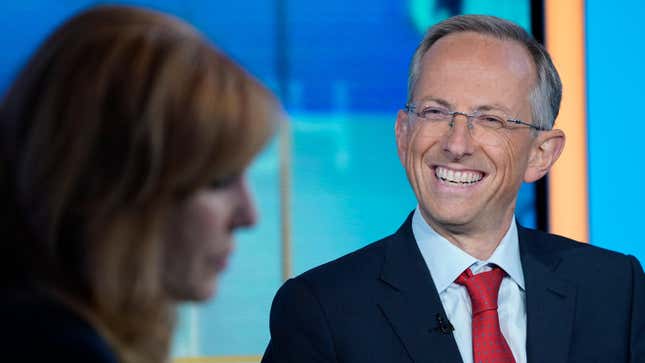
pixel 120 114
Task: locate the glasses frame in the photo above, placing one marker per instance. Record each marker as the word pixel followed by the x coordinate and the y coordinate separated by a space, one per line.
pixel 411 108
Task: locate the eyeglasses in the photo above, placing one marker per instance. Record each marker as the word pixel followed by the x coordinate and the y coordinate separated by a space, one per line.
pixel 484 126
pixel 483 119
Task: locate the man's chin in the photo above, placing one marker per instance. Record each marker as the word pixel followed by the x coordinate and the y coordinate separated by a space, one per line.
pixel 454 223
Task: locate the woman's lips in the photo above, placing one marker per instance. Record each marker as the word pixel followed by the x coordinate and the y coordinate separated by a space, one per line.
pixel 221 260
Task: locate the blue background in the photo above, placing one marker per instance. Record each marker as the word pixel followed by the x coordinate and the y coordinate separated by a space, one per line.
pixel 341 70
pixel 615 80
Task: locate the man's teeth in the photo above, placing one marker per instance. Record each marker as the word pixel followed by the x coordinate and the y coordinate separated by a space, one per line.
pixel 461 177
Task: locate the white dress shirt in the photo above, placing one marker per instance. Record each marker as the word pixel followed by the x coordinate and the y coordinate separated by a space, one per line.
pixel 447 261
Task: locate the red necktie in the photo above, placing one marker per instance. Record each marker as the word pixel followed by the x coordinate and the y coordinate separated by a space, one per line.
pixel 489 345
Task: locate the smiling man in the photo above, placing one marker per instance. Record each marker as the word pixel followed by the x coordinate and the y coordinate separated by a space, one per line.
pixel 461 281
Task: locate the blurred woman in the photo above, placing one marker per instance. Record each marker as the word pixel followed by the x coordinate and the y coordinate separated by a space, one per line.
pixel 124 142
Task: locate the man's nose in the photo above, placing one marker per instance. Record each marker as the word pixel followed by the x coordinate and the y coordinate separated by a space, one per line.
pixel 458 141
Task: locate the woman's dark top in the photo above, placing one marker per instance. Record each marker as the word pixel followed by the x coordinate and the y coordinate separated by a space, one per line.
pixel 35 328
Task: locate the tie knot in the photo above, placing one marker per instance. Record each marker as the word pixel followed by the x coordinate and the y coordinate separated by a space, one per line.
pixel 483 288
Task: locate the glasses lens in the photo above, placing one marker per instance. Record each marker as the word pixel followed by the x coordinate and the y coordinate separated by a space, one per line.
pixel 488 121
pixel 486 135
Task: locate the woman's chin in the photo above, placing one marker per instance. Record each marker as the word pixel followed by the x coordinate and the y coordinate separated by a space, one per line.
pixel 196 294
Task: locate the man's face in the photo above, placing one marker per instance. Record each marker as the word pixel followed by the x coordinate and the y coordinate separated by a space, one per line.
pixel 463 184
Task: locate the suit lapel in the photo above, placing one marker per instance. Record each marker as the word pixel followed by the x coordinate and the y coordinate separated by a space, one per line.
pixel 410 301
pixel 550 301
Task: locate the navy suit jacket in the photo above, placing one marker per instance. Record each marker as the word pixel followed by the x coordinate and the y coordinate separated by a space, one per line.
pixel 379 304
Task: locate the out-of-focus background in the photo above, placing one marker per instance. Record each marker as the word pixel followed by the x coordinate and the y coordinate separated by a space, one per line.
pixel 340 68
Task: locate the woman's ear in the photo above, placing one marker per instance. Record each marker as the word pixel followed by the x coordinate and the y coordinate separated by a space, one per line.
pixel 545 151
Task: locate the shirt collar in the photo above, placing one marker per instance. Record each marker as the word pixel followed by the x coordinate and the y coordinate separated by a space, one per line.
pixel 447 261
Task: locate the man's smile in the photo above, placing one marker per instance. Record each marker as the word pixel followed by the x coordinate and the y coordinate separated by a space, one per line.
pixel 457 177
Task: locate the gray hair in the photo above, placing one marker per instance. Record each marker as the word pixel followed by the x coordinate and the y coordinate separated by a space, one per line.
pixel 546 94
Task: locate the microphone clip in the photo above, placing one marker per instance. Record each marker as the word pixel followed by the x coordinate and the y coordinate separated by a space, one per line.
pixel 443 325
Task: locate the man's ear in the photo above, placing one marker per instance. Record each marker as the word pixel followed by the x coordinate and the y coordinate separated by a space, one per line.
pixel 401 130
pixel 546 149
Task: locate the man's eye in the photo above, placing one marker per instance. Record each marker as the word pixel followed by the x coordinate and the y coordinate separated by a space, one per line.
pixel 490 119
pixel 433 112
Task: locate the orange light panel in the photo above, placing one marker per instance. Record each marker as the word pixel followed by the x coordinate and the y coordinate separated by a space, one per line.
pixel 568 186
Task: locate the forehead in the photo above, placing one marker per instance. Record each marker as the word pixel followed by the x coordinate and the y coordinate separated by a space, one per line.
pixel 477 68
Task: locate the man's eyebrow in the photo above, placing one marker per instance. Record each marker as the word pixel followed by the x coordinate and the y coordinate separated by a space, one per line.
pixel 480 108
pixel 440 101
pixel 493 107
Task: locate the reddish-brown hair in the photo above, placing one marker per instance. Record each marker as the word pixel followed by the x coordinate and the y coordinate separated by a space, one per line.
pixel 121 113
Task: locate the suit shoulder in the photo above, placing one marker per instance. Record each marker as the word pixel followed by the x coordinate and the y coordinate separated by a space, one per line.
pixel 567 247
pixel 355 270
pixel 365 260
